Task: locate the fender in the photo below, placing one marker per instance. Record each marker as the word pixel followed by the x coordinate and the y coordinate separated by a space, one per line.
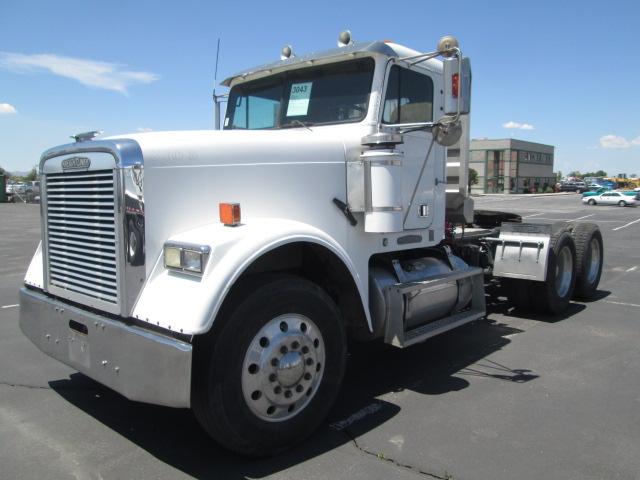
pixel 189 305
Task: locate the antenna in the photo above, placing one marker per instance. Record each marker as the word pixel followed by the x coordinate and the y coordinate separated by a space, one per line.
pixel 217 99
pixel 215 75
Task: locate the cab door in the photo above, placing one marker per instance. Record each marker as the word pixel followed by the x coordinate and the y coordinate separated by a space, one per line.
pixel 409 99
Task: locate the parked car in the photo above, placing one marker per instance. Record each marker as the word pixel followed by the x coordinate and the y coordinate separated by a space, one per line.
pixel 19 188
pixel 578 187
pixel 602 190
pixel 610 198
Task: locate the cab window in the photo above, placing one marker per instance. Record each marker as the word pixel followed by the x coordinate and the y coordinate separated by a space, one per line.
pixel 409 97
pixel 327 94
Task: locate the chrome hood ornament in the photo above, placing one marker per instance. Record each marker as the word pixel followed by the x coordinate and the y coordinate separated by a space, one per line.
pixel 86 136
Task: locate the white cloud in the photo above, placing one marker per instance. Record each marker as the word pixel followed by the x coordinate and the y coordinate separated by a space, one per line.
pixel 105 75
pixel 7 109
pixel 518 125
pixel 144 129
pixel 616 141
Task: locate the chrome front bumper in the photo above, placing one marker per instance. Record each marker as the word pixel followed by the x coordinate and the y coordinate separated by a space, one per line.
pixel 137 363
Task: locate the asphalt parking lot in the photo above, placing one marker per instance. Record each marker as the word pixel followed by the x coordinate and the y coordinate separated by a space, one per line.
pixel 512 396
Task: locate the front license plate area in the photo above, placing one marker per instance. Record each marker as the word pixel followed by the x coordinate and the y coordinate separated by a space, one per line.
pixel 79 351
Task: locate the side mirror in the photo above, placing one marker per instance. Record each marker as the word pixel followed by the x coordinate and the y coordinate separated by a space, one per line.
pixel 457 85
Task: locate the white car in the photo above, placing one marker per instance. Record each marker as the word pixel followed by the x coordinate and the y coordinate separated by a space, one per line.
pixel 610 198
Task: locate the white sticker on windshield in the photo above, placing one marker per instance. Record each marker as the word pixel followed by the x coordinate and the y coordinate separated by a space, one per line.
pixel 299 99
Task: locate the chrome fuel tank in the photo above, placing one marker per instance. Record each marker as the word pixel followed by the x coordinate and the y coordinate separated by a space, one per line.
pixel 423 303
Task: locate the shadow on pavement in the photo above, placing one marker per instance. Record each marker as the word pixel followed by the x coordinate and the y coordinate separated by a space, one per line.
pixel 599 295
pixel 499 304
pixel 174 437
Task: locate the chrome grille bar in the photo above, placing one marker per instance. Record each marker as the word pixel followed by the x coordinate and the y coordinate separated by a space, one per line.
pixel 81 233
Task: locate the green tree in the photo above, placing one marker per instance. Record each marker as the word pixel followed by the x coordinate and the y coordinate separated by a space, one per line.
pixel 599 173
pixel 473 177
pixel 32 175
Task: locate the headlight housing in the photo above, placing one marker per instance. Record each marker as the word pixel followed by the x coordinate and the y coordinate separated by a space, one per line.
pixel 186 258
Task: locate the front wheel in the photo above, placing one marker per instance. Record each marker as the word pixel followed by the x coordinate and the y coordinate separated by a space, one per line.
pixel 591 202
pixel 275 369
pixel 622 203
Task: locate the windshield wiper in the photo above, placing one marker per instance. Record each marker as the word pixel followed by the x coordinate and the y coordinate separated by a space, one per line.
pixel 297 123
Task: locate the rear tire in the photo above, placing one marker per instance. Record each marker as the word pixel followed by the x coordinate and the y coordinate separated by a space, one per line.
pixel 589 259
pixel 259 389
pixel 622 203
pixel 554 294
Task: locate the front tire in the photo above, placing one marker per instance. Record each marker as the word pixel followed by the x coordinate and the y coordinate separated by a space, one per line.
pixel 591 202
pixel 273 372
pixel 622 203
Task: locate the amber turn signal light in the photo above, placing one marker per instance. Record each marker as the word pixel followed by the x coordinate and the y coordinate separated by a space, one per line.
pixel 230 214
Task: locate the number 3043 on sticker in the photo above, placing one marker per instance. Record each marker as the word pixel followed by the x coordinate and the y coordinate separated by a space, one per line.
pixel 299 99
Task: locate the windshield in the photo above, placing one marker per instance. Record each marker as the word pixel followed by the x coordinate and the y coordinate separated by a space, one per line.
pixel 335 93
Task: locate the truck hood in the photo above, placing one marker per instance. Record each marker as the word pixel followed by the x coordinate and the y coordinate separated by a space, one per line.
pixel 183 149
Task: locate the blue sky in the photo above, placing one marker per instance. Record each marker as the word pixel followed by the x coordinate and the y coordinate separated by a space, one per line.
pixel 568 70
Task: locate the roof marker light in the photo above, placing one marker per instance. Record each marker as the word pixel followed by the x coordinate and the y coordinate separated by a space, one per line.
pixel 344 39
pixel 286 52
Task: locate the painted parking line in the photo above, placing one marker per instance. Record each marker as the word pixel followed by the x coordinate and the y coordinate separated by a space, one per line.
pixel 573 220
pixel 11 306
pixel 631 269
pixel 534 215
pixel 622 303
pixel 580 218
pixel 627 225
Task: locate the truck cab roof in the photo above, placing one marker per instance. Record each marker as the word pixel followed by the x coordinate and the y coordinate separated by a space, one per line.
pixel 354 50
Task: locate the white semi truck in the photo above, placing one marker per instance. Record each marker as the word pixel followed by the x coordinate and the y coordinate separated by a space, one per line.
pixel 224 271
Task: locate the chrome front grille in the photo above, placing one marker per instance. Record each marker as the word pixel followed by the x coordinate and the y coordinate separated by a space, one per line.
pixel 81 230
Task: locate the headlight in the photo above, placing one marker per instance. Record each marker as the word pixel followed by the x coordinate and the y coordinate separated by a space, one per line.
pixel 186 258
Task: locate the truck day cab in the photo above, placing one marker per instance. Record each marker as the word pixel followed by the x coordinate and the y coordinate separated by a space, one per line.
pixel 223 271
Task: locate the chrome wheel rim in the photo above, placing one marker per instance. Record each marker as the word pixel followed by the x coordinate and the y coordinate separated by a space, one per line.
pixel 564 271
pixel 283 367
pixel 594 260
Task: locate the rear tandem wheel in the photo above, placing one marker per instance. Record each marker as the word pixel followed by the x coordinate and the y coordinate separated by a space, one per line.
pixel 554 294
pixel 589 258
